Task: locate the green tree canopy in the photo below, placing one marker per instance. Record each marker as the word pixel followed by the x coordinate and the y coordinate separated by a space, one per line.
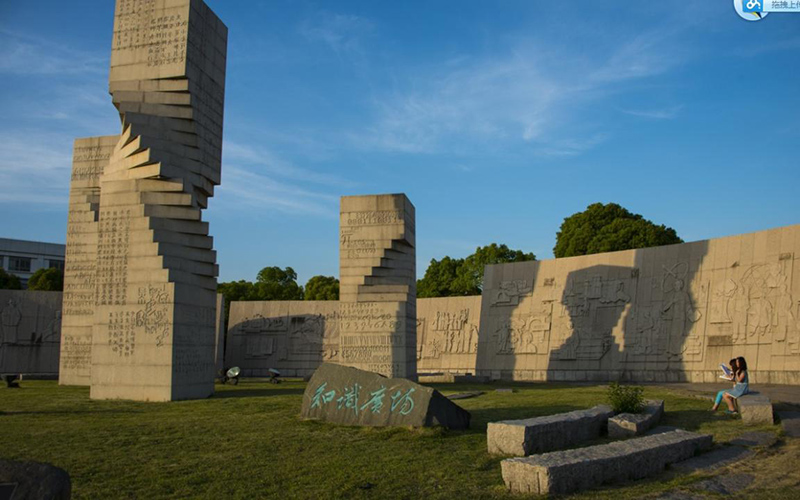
pixel 274 283
pixel 608 228
pixel 322 288
pixel 456 277
pixel 47 280
pixel 9 281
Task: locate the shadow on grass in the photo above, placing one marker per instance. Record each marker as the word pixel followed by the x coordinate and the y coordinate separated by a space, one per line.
pixel 255 393
pixel 66 412
pixel 692 420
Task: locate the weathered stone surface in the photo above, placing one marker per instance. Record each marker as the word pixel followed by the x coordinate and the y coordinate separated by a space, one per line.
pixel 377 289
pixel 551 432
pixel 140 281
pixel 89 158
pixel 296 336
pixel 35 481
pixel 349 396
pixel 562 472
pixel 627 315
pixel 636 424
pixel 755 408
pixel 30 329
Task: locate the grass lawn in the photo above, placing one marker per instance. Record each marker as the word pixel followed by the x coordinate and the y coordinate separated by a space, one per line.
pixel 247 441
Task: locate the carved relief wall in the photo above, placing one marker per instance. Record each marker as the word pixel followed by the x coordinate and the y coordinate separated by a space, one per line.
pixel 294 337
pixel 30 331
pixel 663 314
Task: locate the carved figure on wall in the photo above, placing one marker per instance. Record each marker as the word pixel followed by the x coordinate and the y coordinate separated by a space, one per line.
pixel 722 295
pixel 680 312
pixel 509 292
pixel 11 317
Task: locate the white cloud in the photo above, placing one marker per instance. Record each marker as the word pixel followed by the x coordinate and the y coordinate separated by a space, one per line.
pixel 35 169
pixel 655 114
pixel 27 55
pixel 343 33
pixel 534 92
pixel 243 188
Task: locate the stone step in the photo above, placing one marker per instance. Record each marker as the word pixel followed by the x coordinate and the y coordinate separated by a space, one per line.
pixel 755 408
pixel 636 424
pixel 562 472
pixel 551 432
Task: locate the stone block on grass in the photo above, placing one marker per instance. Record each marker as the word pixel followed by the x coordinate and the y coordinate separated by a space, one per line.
pixel 755 408
pixel 568 471
pixel 551 432
pixel 349 396
pixel 636 424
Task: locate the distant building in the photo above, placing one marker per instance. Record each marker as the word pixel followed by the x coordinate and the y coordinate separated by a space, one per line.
pixel 23 258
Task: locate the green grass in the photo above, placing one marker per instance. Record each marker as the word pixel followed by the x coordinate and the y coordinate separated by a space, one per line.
pixel 249 442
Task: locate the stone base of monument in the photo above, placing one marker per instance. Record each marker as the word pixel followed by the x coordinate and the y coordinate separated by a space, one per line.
pixel 562 472
pixel 349 396
pixel 636 424
pixel 551 432
pixel 34 481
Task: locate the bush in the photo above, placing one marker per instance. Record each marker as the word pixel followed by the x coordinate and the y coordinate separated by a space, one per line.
pixel 626 398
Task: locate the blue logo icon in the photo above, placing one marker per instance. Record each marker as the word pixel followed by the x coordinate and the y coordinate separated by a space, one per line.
pixel 752 6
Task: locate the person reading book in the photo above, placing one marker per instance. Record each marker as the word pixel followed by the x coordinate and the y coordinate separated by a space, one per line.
pixel 740 387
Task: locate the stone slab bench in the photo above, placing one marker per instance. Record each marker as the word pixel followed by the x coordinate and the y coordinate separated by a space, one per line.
pixel 755 408
pixel 551 432
pixel 636 424
pixel 562 472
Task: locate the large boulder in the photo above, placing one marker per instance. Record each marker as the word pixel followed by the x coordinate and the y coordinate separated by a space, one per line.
pixel 33 481
pixel 349 396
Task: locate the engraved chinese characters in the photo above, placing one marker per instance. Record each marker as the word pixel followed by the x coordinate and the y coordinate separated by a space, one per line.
pixel 154 301
pixel 377 262
pixel 83 258
pixel 350 396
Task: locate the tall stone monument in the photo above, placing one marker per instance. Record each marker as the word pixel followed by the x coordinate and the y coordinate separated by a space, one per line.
pixel 90 156
pixel 377 267
pixel 155 277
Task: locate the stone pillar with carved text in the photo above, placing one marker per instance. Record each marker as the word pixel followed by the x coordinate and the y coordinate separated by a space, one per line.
pixel 155 312
pixel 90 156
pixel 377 264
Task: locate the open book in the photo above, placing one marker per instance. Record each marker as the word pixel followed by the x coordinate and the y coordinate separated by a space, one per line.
pixel 728 373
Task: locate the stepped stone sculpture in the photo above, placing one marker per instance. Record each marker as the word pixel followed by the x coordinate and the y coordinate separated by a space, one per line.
pixel 377 268
pixel 155 277
pixel 90 156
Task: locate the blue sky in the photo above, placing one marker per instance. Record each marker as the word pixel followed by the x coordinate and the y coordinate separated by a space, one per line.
pixel 496 119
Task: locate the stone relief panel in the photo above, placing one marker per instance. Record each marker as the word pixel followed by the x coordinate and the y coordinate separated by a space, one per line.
pixel 294 337
pixel 30 331
pixel 682 309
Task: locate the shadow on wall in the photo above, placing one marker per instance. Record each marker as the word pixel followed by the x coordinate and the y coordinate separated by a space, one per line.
pixel 294 344
pixel 30 331
pixel 631 315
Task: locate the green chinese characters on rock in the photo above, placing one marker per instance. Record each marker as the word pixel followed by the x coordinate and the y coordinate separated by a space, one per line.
pixel 349 396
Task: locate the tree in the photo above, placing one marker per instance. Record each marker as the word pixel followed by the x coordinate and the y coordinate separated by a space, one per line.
pixel 274 283
pixel 9 281
pixel 457 277
pixel 470 279
pixel 322 288
pixel 47 280
pixel 439 278
pixel 609 228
